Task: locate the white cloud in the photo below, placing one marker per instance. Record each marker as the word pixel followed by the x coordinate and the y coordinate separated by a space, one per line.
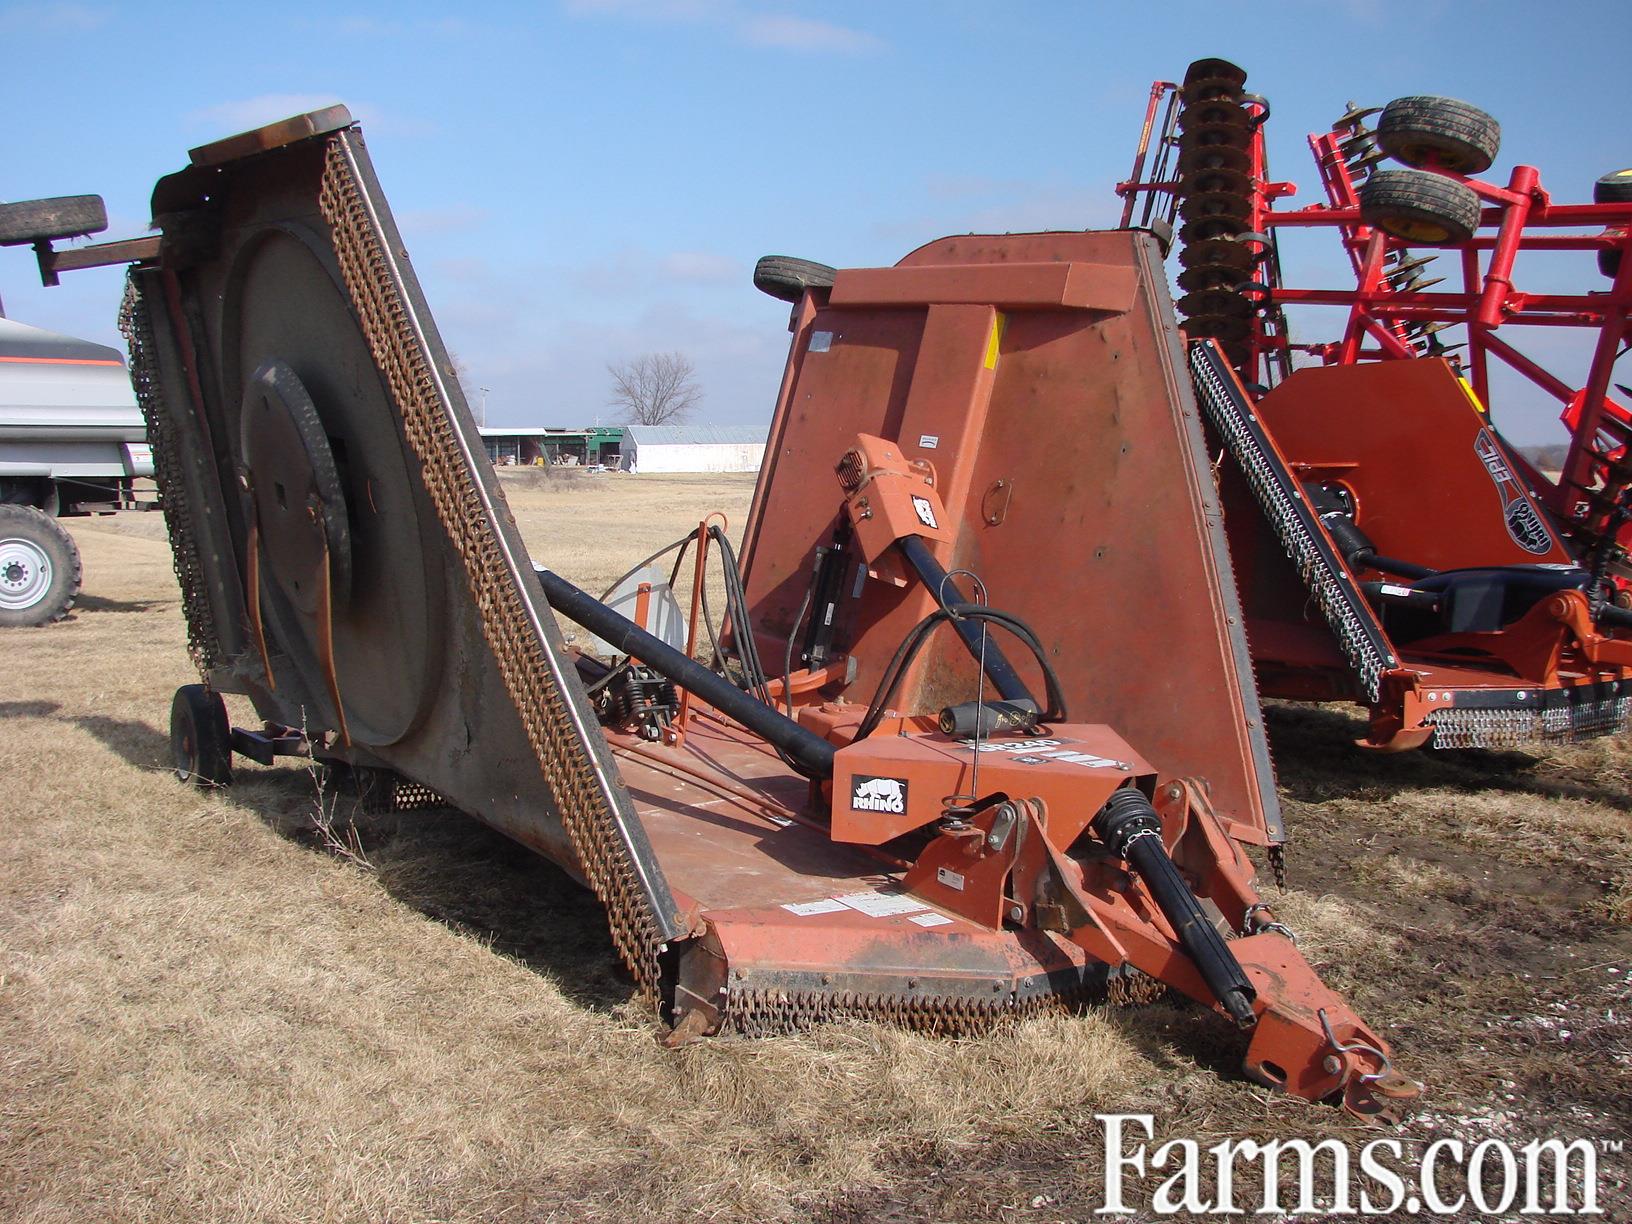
pixel 56 19
pixel 780 30
pixel 805 34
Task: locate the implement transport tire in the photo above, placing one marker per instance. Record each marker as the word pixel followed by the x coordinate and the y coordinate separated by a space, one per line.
pixel 29 221
pixel 1423 208
pixel 1613 188
pixel 200 737
pixel 1428 132
pixel 786 278
pixel 39 567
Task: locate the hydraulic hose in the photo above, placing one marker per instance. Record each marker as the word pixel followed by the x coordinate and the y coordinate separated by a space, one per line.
pixel 1128 824
pixel 809 753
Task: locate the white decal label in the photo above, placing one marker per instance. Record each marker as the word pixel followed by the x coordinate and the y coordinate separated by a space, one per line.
pixel 930 920
pixel 805 909
pixel 925 511
pixel 882 905
pixel 820 342
pixel 929 441
pixel 945 875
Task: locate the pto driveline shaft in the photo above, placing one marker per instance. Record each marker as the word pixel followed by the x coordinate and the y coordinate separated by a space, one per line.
pixel 1128 824
pixel 813 754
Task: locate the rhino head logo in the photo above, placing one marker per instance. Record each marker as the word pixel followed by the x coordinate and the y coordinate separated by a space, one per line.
pixel 868 794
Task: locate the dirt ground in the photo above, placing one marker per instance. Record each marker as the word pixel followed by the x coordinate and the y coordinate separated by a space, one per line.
pixel 208 1013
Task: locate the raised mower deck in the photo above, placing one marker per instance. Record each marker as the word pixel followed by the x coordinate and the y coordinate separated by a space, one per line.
pixel 347 561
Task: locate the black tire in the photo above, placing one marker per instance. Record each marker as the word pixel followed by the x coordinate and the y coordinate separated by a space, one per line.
pixel 39 567
pixel 200 737
pixel 786 278
pixel 1613 188
pixel 1426 131
pixel 1423 208
pixel 29 221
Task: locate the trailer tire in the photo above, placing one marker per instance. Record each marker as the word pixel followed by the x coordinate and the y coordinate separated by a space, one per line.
pixel 39 567
pixel 1423 208
pixel 786 278
pixel 1613 188
pixel 1426 132
pixel 29 221
pixel 200 737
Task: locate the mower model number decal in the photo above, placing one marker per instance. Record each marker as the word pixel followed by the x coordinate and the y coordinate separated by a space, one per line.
pixel 1524 522
pixel 945 875
pixel 1044 752
pixel 925 511
pixel 869 794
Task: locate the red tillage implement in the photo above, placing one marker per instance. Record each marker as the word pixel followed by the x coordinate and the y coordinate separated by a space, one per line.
pixel 1391 547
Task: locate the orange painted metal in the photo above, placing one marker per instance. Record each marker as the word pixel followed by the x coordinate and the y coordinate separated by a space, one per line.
pixel 1069 459
pixel 1430 483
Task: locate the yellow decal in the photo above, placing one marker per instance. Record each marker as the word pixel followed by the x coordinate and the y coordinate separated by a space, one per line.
pixel 995 339
pixel 1467 390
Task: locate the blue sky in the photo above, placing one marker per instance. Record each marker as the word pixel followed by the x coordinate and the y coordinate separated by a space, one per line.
pixel 583 181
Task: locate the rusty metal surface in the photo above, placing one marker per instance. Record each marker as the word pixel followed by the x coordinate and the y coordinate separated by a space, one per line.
pixel 445 665
pixel 1070 461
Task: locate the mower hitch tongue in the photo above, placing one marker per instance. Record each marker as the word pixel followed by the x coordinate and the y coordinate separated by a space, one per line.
pixel 985 546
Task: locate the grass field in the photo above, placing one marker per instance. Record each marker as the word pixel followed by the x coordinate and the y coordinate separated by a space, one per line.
pixel 205 1013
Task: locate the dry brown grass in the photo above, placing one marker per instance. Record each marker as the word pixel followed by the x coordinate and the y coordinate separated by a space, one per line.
pixel 205 1016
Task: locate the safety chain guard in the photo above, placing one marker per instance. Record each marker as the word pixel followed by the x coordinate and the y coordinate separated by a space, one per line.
pixel 584 805
pixel 1289 516
pixel 203 644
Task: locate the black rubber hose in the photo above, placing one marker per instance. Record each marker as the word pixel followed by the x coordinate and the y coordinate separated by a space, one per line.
pixel 1128 824
pixel 809 753
pixel 999 670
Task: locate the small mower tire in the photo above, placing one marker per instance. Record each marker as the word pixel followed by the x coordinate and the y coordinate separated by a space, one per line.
pixel 1613 188
pixel 786 278
pixel 1428 132
pixel 39 567
pixel 1420 207
pixel 30 221
pixel 200 737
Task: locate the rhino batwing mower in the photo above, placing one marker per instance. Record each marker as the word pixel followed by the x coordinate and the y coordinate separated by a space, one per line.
pixel 986 492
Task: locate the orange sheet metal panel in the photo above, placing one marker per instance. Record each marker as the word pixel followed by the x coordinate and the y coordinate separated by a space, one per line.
pixel 1431 481
pixel 1070 461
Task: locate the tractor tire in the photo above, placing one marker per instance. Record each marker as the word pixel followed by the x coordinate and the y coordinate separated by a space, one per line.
pixel 1613 188
pixel 200 737
pixel 30 221
pixel 1426 132
pixel 786 278
pixel 39 567
pixel 1420 207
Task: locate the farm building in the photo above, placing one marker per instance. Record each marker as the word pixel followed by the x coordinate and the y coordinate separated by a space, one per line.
pixel 526 445
pixel 693 448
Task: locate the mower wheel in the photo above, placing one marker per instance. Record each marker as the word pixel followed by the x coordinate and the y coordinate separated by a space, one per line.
pixel 201 737
pixel 39 567
pixel 29 221
pixel 786 278
pixel 1422 208
pixel 1613 188
pixel 1429 132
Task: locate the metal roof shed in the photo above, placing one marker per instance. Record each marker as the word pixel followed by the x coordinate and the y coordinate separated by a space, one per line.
pixel 693 448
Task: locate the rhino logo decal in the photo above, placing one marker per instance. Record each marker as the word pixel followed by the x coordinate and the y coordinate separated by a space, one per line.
pixel 878 794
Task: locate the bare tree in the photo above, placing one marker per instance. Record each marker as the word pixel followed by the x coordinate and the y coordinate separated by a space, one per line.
pixel 655 389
